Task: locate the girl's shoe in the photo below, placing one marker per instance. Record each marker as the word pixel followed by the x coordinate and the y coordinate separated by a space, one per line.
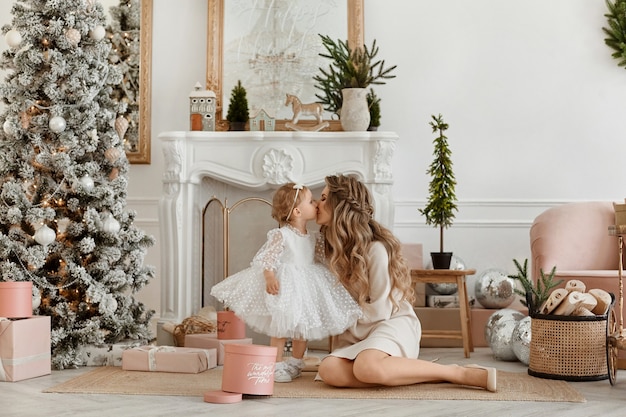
pixel 288 370
pixel 281 374
pixel 491 376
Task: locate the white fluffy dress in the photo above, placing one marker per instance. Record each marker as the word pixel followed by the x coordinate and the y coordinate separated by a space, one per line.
pixel 311 303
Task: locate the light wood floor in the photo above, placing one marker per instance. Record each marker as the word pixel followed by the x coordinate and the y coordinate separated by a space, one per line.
pixel 25 399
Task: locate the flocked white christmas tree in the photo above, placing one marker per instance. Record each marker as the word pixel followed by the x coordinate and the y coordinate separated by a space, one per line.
pixel 64 224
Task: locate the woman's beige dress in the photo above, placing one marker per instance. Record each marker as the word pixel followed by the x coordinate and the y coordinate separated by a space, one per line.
pixel 397 332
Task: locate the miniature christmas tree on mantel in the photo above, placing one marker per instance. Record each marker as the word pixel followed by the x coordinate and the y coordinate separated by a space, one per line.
pixel 64 224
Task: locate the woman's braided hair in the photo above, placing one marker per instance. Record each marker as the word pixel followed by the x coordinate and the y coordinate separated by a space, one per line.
pixel 348 237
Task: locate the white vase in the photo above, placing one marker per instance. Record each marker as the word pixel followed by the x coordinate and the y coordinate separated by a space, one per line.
pixel 355 115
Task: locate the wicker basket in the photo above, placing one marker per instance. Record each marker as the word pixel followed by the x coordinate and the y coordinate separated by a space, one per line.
pixel 570 348
pixel 193 325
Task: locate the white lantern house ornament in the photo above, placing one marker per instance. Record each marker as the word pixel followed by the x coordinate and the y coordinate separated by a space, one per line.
pixel 202 105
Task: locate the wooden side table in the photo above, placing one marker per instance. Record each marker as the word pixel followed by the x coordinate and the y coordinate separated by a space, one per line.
pixel 453 276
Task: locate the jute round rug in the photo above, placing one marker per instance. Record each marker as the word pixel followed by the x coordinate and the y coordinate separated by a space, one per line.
pixel 511 387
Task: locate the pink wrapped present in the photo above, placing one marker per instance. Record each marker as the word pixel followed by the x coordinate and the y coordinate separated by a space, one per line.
pixel 210 341
pixel 16 299
pixel 169 359
pixel 24 348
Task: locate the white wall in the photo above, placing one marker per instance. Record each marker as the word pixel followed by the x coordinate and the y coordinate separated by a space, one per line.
pixel 533 98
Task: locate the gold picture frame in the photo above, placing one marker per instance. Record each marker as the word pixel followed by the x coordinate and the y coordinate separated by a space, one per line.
pixel 142 155
pixel 215 55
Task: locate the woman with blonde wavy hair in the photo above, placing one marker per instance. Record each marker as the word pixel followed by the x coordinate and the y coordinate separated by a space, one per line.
pixel 382 347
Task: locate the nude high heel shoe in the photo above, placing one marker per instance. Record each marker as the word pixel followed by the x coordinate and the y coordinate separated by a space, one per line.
pixel 491 376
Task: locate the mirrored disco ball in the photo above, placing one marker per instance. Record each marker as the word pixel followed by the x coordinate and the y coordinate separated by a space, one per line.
pixel 498 316
pixel 499 333
pixel 447 288
pixel 494 289
pixel 521 340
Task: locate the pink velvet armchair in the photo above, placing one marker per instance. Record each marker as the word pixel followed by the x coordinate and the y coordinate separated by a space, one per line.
pixel 575 238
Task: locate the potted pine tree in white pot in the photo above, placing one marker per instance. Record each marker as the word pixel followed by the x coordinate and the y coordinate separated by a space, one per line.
pixel 441 207
pixel 344 83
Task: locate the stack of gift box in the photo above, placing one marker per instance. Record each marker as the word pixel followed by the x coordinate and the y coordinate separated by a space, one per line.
pixel 25 348
pixel 201 351
pixel 24 338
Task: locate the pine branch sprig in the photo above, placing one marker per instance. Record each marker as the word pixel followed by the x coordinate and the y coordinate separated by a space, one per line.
pixel 534 295
pixel 616 32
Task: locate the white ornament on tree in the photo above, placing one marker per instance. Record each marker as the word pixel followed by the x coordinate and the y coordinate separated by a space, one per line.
pixel 97 33
pixel 57 124
pixel 13 38
pixel 87 182
pixel 36 301
pixel 110 225
pixel 7 127
pixel 44 235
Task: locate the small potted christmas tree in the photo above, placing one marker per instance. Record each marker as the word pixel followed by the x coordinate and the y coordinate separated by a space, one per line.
pixel 238 115
pixel 439 211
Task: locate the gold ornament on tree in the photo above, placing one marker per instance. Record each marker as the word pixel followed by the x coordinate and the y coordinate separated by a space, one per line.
pixel 73 36
pixel 114 174
pixel 121 126
pixel 112 154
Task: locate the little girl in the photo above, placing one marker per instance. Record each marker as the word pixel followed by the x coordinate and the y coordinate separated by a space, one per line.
pixel 285 293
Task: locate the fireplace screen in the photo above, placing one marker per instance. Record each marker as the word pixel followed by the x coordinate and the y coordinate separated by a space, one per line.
pixel 231 236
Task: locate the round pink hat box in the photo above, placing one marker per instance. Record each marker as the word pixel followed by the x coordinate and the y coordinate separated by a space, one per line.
pixel 16 299
pixel 249 369
pixel 229 326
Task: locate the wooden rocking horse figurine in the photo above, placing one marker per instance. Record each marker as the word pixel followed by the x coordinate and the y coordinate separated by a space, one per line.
pixel 299 109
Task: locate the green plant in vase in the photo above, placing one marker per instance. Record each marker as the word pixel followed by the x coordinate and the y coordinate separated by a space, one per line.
pixel 349 74
pixel 238 113
pixel 441 207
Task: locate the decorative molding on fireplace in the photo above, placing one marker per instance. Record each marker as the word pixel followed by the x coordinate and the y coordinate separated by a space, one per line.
pixel 202 165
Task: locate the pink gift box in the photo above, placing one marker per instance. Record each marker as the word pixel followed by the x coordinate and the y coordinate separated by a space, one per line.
pixel 169 359
pixel 24 348
pixel 229 326
pixel 210 341
pixel 249 369
pixel 16 299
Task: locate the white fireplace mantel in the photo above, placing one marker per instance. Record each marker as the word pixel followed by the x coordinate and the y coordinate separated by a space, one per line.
pixel 253 163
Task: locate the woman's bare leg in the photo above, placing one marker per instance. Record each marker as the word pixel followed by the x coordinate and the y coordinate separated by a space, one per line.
pixel 373 367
